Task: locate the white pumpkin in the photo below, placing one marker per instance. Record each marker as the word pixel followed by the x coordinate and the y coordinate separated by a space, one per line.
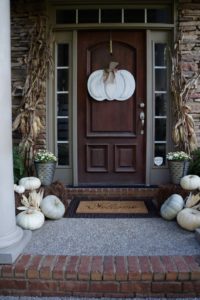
pixel 19 189
pixel 52 207
pixel 30 219
pixel 30 183
pixel 171 207
pixel 189 219
pixel 120 88
pixel 190 182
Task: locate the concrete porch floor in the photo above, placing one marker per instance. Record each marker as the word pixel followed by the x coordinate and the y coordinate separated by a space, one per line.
pixel 116 237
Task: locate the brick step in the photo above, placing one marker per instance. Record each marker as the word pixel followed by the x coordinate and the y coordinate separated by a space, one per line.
pixel 159 193
pixel 96 276
pixel 113 191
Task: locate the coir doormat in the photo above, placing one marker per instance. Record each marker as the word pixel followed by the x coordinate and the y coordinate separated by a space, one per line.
pixel 105 208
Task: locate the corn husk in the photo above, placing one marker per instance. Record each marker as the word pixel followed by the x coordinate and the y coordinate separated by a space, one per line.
pixel 192 200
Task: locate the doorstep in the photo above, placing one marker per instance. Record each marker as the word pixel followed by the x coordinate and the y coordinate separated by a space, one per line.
pixel 159 193
pixel 97 276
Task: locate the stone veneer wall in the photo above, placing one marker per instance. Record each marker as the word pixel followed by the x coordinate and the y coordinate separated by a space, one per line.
pixel 23 13
pixel 189 25
pixel 23 16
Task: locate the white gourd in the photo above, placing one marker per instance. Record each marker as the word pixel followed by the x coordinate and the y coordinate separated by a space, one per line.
pixel 30 219
pixel 171 207
pixel 30 183
pixel 121 88
pixel 19 189
pixel 52 207
pixel 190 182
pixel 189 219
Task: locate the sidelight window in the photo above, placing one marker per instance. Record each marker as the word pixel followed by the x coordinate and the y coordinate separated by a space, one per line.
pixel 160 103
pixel 62 104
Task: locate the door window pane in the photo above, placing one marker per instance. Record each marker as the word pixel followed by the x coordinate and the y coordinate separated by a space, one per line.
pixel 160 54
pixel 111 15
pixel 160 151
pixel 63 154
pixel 160 104
pixel 160 129
pixel 88 16
pixel 62 130
pixel 62 105
pixel 67 16
pixel 62 80
pixel 62 55
pixel 161 79
pixel 159 16
pixel 134 16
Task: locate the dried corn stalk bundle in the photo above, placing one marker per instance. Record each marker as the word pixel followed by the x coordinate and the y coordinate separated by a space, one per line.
pixel 39 64
pixel 183 133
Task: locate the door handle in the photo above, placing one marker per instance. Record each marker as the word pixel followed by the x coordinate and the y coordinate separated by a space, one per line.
pixel 142 118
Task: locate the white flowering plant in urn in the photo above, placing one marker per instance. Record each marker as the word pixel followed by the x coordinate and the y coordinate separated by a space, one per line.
pixel 44 156
pixel 45 165
pixel 178 162
pixel 178 156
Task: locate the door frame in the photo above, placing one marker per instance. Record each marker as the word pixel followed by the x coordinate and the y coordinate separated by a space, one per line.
pixel 154 32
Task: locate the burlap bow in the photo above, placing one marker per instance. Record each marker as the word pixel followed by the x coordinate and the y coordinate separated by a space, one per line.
pixel 109 74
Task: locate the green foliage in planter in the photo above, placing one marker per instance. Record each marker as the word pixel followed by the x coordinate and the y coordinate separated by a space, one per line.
pixel 18 164
pixel 195 163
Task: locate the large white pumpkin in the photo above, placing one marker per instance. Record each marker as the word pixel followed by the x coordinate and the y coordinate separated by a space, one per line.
pixel 121 88
pixel 189 219
pixel 52 207
pixel 190 182
pixel 30 219
pixel 30 183
pixel 171 207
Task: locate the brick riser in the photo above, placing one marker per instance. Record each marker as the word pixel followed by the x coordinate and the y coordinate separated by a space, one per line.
pixel 155 276
pixel 160 193
pixel 112 192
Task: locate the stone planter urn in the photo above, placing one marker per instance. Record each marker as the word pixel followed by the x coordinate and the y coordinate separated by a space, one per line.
pixel 178 169
pixel 45 172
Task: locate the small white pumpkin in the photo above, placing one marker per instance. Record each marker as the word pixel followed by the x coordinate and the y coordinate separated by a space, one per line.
pixel 52 207
pixel 30 183
pixel 189 219
pixel 190 182
pixel 30 219
pixel 19 189
pixel 171 207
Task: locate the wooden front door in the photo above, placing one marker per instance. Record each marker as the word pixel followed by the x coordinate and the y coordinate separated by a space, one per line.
pixel 111 136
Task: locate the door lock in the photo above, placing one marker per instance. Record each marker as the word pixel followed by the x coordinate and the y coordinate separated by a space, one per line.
pixel 142 105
